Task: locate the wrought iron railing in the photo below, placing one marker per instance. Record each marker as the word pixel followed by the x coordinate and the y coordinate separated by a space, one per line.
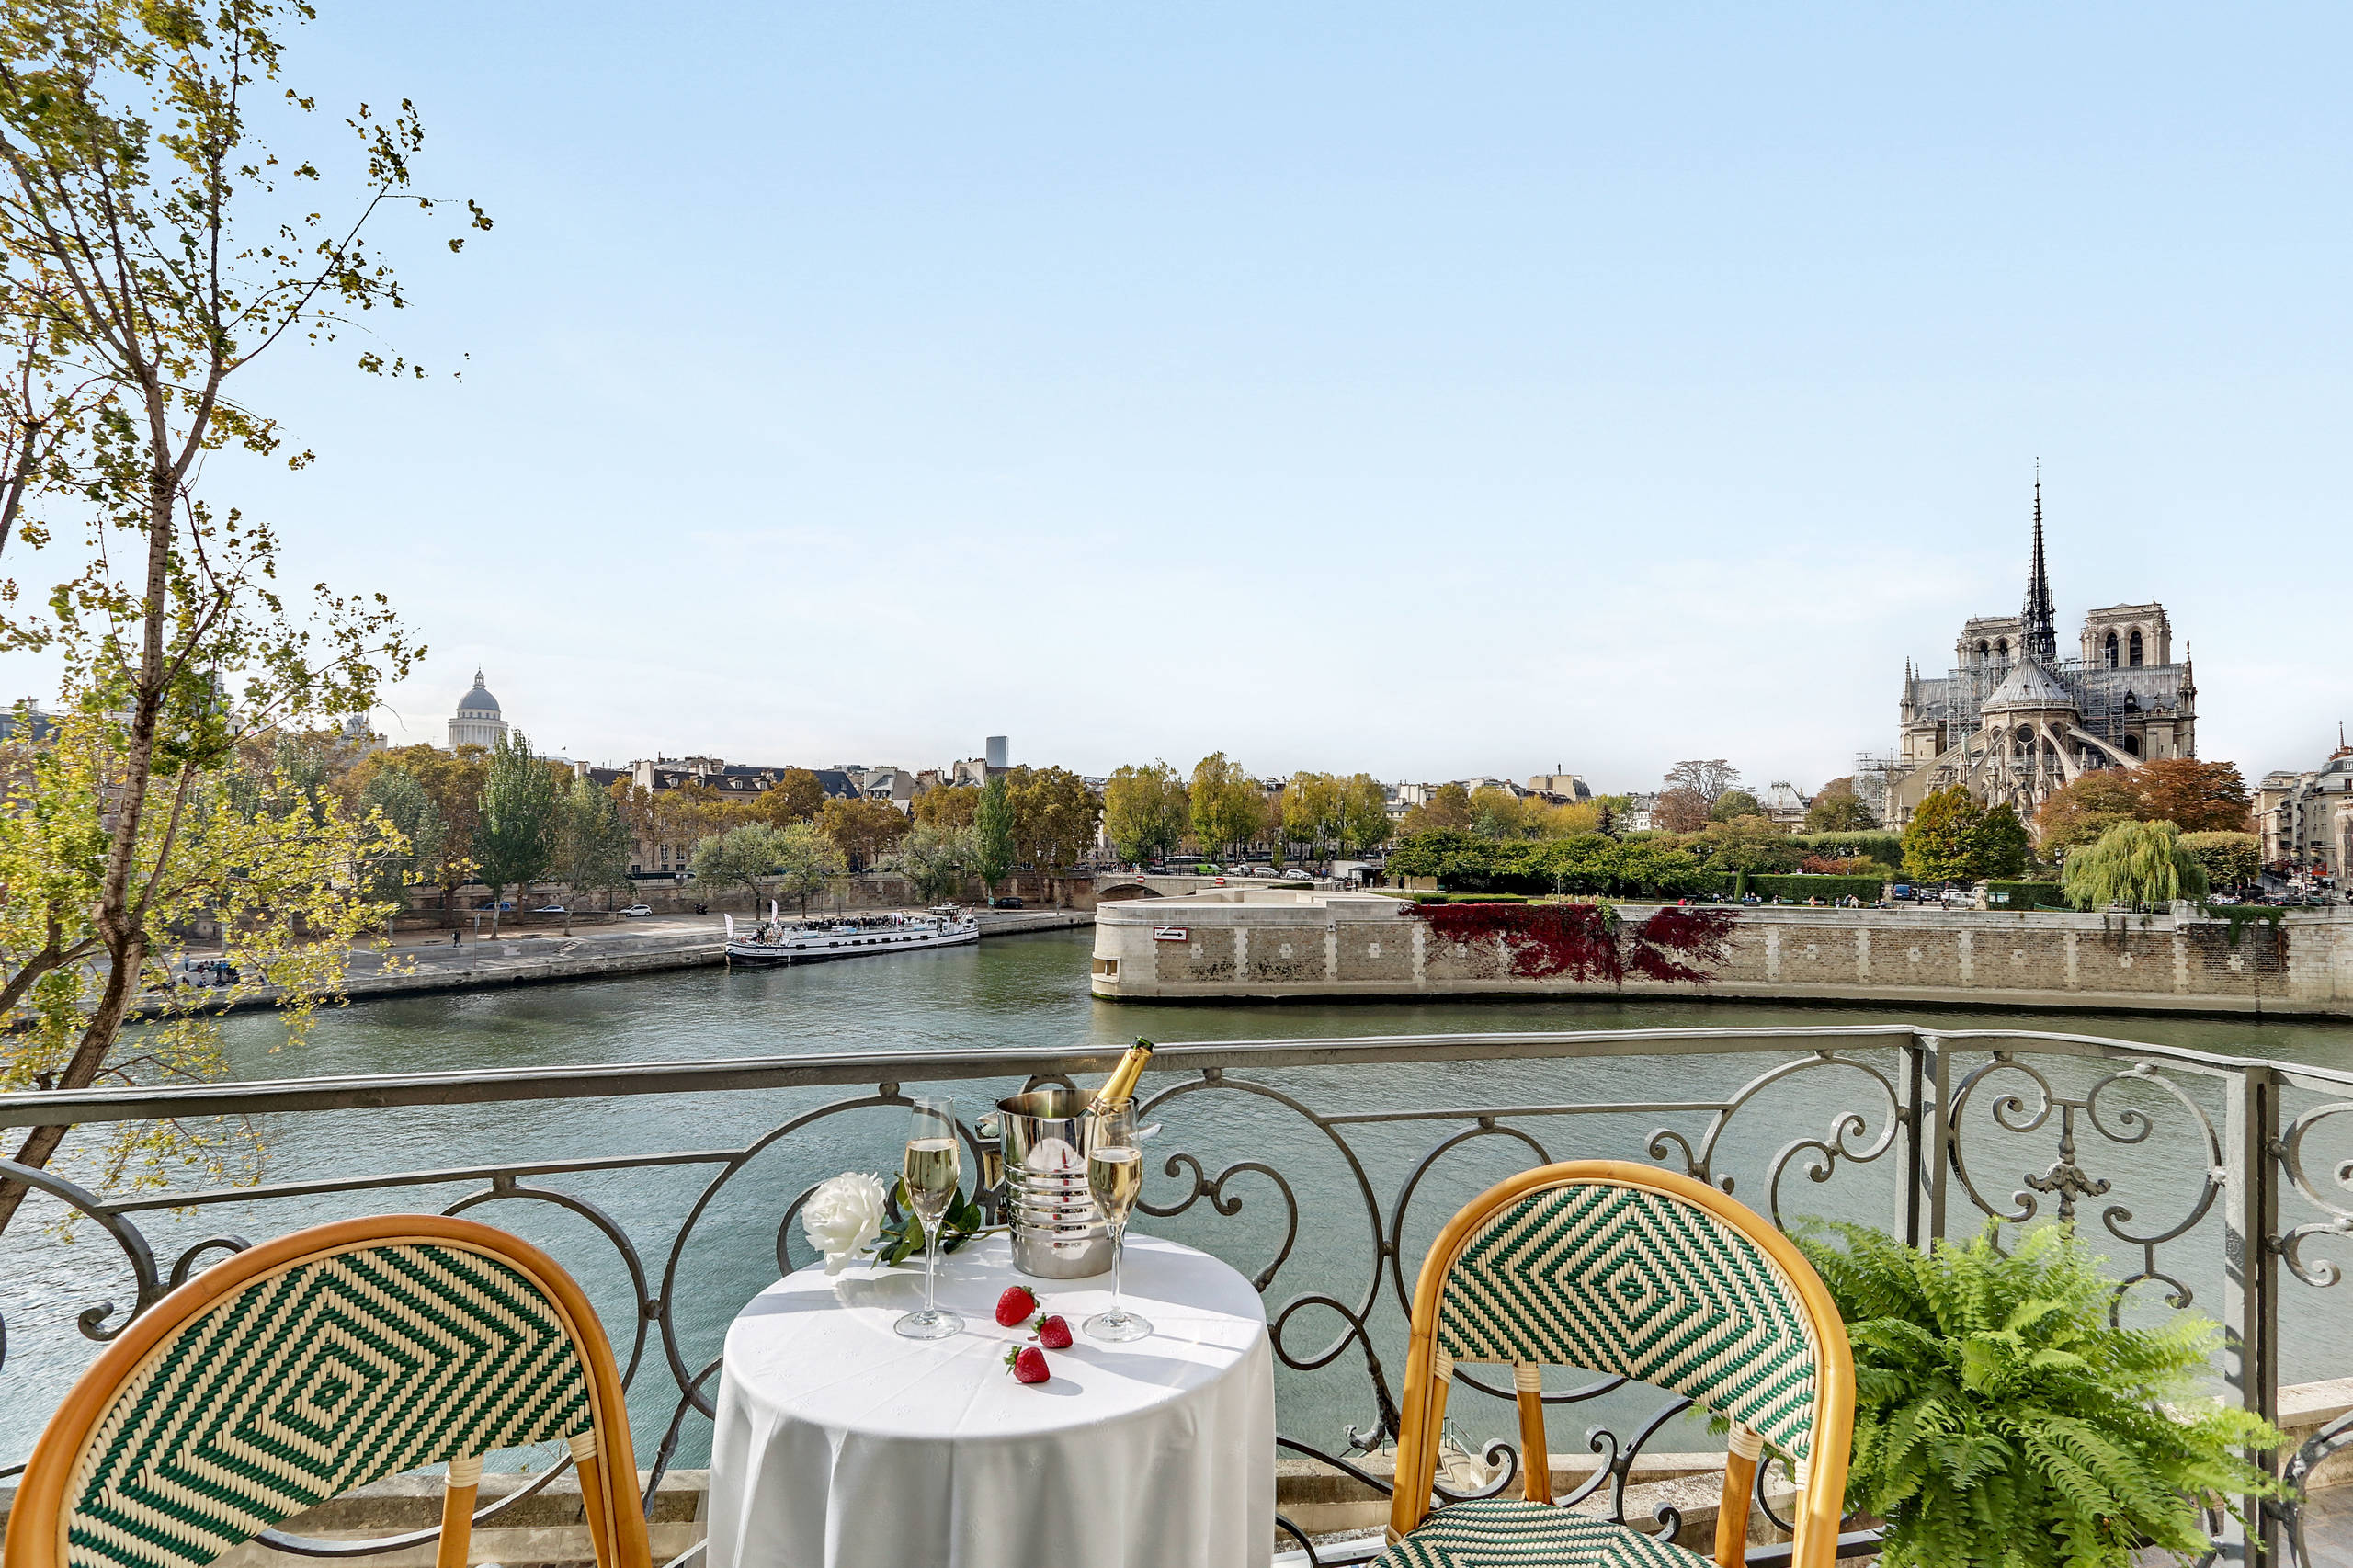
pixel 2218 1180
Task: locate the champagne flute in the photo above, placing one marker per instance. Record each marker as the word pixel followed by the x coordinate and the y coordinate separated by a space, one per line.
pixel 1115 1175
pixel 930 1171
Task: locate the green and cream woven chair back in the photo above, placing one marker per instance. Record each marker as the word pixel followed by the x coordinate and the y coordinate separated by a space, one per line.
pixel 290 1374
pixel 1626 1270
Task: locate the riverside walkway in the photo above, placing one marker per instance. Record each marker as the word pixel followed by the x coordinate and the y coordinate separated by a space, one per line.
pixel 427 961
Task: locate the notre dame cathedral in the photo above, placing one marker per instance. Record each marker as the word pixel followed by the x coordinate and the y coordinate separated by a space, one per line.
pixel 2014 721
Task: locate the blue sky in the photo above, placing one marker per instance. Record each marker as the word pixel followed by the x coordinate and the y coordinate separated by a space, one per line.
pixel 1431 391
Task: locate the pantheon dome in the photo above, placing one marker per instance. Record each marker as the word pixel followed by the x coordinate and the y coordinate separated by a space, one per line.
pixel 477 723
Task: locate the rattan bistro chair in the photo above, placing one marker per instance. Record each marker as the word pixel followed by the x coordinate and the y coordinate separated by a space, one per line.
pixel 292 1372
pixel 1621 1269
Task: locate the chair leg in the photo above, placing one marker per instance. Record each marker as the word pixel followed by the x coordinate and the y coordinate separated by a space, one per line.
pixel 1731 1508
pixel 594 1503
pixel 458 1512
pixel 1535 1449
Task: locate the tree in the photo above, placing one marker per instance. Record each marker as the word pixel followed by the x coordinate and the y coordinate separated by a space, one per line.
pixel 1959 840
pixel 1364 814
pixel 740 858
pixel 1748 844
pixel 2001 847
pixel 1145 811
pixel 515 841
pixel 2140 864
pixel 1310 813
pixel 255 856
pixel 1837 809
pixel 1733 804
pixel 993 833
pixel 1568 820
pixel 2229 860
pixel 1681 809
pixel 405 806
pixel 805 861
pixel 592 844
pixel 136 289
pixel 796 796
pixel 1228 806
pixel 1499 815
pixel 938 859
pixel 1709 778
pixel 945 805
pixel 1940 844
pixel 1447 810
pixel 2197 797
pixel 865 830
pixel 454 784
pixel 1054 816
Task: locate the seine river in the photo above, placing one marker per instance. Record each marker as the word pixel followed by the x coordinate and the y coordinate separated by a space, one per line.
pixel 1031 991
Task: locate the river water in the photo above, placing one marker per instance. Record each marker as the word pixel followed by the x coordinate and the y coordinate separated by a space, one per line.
pixel 1031 991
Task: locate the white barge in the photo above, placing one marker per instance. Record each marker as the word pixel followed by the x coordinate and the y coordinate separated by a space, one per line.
pixel 775 942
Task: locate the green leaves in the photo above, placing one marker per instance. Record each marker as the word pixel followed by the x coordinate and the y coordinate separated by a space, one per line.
pixel 2002 1419
pixel 2136 864
pixel 902 1238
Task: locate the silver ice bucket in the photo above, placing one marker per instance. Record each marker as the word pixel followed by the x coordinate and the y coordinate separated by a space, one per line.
pixel 1058 1234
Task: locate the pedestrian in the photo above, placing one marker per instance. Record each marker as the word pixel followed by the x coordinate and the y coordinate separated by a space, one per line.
pixel 456 938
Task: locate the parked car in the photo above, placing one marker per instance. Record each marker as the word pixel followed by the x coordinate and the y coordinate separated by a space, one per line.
pixel 637 909
pixel 1008 902
pixel 1292 874
pixel 549 909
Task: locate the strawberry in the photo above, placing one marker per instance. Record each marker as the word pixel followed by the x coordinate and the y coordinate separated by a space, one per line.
pixel 1029 1364
pixel 1016 1307
pixel 1054 1333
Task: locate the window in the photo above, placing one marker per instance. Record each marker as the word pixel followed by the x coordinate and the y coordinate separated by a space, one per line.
pixel 2109 649
pixel 1982 649
pixel 2002 651
pixel 2026 734
pixel 2136 647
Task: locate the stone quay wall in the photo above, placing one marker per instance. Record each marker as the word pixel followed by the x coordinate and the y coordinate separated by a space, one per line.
pixel 1245 944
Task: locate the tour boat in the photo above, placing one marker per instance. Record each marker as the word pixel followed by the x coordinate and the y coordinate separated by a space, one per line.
pixel 775 942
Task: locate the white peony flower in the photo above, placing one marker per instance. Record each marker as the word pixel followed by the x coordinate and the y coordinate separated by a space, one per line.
pixel 842 1216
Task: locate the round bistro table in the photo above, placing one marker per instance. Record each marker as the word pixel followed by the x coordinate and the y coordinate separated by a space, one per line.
pixel 839 1445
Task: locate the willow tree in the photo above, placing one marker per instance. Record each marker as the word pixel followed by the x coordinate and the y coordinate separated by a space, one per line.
pixel 151 248
pixel 2140 864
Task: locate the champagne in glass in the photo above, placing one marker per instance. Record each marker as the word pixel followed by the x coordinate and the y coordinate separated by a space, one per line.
pixel 1115 1175
pixel 929 1172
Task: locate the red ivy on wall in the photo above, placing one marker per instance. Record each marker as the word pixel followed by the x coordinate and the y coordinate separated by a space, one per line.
pixel 1589 941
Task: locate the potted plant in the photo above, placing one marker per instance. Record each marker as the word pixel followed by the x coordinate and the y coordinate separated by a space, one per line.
pixel 2002 1419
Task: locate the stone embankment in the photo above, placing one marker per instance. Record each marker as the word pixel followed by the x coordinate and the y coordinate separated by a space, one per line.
pixel 539 958
pixel 1235 944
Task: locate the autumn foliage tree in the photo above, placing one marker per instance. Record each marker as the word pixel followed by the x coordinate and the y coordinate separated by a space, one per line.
pixel 2196 797
pixel 1837 809
pixel 1145 811
pixel 867 831
pixel 1054 816
pixel 1227 804
pixel 947 806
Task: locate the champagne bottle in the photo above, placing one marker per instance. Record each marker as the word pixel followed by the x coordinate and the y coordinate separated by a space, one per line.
pixel 1121 1084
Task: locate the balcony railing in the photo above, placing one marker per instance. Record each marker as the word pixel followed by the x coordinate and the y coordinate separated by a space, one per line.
pixel 1319 1168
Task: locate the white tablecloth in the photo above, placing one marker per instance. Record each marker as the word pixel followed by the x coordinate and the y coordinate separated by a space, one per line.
pixel 840 1445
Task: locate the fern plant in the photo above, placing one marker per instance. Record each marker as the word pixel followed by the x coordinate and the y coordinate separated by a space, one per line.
pixel 2001 1421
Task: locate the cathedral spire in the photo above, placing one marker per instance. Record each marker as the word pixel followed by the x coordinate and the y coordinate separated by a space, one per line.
pixel 2038 620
